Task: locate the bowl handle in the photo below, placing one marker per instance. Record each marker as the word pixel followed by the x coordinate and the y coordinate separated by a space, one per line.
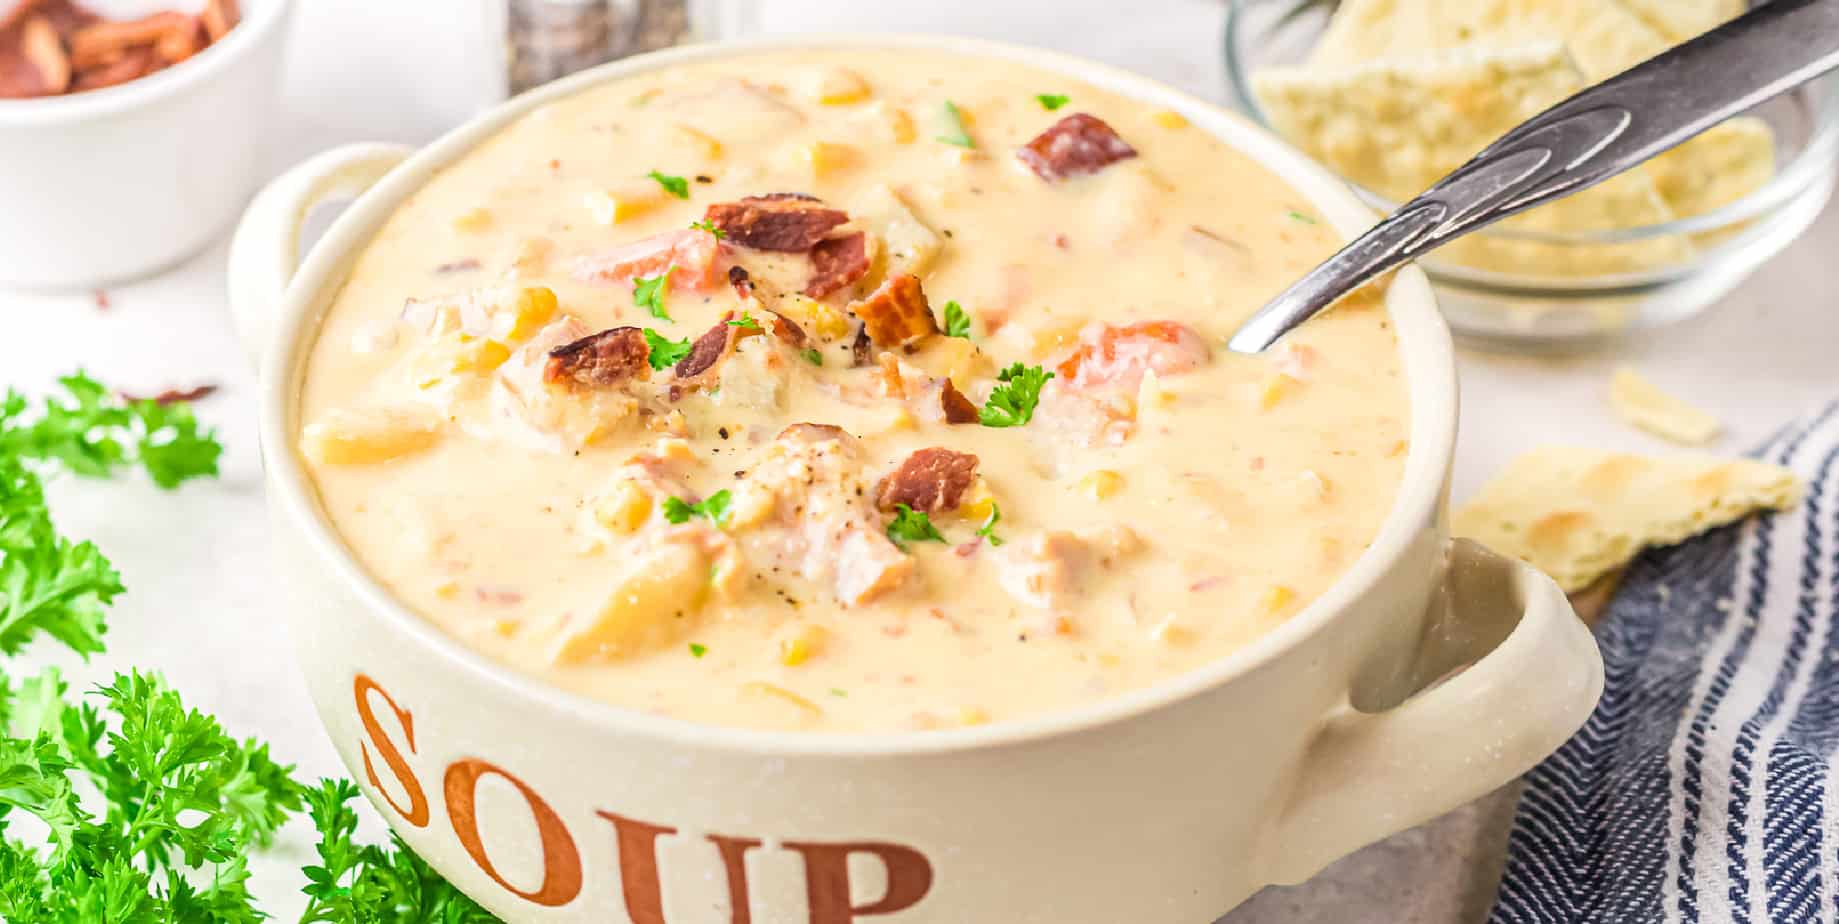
pixel 1534 674
pixel 266 249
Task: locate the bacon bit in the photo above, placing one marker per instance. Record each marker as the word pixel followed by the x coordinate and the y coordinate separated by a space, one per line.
pixel 930 481
pixel 741 280
pixel 837 262
pixel 133 64
pixel 710 349
pixel 693 251
pixel 1109 354
pixel 860 349
pixel 1060 242
pixel 101 297
pixel 1207 583
pixel 172 395
pixel 787 330
pixel 600 360
pixel 954 405
pixel 466 265
pixel 786 222
pixel 1077 145
pixel 967 549
pixel 219 17
pixel 43 51
pixel 1257 463
pixel 104 42
pixel 498 596
pixel 896 314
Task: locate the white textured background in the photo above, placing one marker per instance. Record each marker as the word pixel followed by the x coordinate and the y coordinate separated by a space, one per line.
pixel 200 605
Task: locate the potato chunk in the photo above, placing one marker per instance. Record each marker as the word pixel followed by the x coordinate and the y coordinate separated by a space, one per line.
pixel 368 437
pixel 650 606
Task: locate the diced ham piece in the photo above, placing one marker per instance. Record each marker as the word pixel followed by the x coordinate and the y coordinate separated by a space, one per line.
pixel 1110 354
pixel 837 262
pixel 600 360
pixel 1043 569
pixel 1074 146
pixel 930 480
pixel 694 253
pixel 785 222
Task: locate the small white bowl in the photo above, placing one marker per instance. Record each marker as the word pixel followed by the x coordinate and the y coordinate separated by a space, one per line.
pixel 118 183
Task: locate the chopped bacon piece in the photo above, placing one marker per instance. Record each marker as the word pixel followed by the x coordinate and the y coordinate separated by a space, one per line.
pixel 46 69
pixel 173 395
pixel 1109 354
pixel 219 17
pixel 693 252
pixel 930 481
pixel 133 64
pixel 788 330
pixel 1074 146
pixel 103 42
pixel 861 351
pixel 741 280
pixel 710 349
pixel 788 222
pixel 837 262
pixel 896 314
pixel 600 360
pixel 465 265
pixel 957 408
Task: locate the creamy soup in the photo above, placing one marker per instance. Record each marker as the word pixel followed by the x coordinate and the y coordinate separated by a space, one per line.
pixel 870 390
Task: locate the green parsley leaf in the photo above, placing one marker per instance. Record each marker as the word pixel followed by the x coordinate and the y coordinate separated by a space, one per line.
pixel 365 884
pixel 709 226
pixel 91 432
pixel 1012 403
pixel 911 525
pixel 745 322
pixel 665 352
pixel 1298 216
pixel 648 292
pixel 1050 101
pixel 698 651
pixel 988 529
pixel 955 132
pixel 957 321
pixel 839 692
pixel 675 185
pixel 715 507
pixel 812 356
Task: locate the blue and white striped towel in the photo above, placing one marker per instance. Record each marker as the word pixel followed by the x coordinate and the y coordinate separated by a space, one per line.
pixel 1706 785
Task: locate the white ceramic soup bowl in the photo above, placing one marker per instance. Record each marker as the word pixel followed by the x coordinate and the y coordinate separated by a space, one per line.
pixel 1168 804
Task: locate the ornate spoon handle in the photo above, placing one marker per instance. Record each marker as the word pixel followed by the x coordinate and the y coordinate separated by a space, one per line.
pixel 1584 140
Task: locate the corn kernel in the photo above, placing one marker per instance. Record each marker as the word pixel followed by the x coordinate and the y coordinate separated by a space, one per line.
pixel 701 142
pixel 1169 118
pixel 978 501
pixel 899 125
pixel 973 715
pixel 610 207
pixel 749 508
pixel 817 317
pixel 1101 484
pixel 472 221
pixel 346 438
pixel 1275 598
pixel 504 626
pixel 825 157
pixel 839 86
pixel 624 508
pixel 1171 631
pixel 447 590
pixel 533 309
pixel 1273 389
pixel 899 420
pixel 798 648
pixel 480 356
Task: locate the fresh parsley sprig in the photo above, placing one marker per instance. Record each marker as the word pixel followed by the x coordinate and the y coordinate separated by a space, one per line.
pixel 955 132
pixel 648 292
pixel 957 321
pixel 1012 402
pixel 675 185
pixel 90 431
pixel 665 352
pixel 910 525
pixel 714 507
pixel 1051 101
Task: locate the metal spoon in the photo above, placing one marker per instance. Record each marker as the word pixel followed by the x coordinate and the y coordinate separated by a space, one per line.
pixel 1578 143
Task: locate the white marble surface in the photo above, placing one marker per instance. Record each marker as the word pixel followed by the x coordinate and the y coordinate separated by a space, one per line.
pixel 200 604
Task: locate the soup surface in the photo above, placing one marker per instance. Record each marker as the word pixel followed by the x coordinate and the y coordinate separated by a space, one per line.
pixel 947 437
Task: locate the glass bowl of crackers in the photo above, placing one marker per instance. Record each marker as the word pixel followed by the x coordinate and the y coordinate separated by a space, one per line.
pixel 1394 94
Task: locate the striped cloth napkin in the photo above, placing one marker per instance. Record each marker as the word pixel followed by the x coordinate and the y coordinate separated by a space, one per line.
pixel 1706 785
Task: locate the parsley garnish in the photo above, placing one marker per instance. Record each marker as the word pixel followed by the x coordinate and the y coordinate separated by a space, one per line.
pixel 955 131
pixel 697 651
pixel 812 356
pixel 714 507
pixel 675 185
pixel 1051 101
pixel 957 322
pixel 1298 216
pixel 648 292
pixel 150 809
pixel 746 322
pixel 911 525
pixel 839 692
pixel 665 352
pixel 1012 403
pixel 709 226
pixel 988 529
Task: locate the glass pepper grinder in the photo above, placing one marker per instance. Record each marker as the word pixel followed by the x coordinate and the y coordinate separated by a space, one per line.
pixel 548 39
